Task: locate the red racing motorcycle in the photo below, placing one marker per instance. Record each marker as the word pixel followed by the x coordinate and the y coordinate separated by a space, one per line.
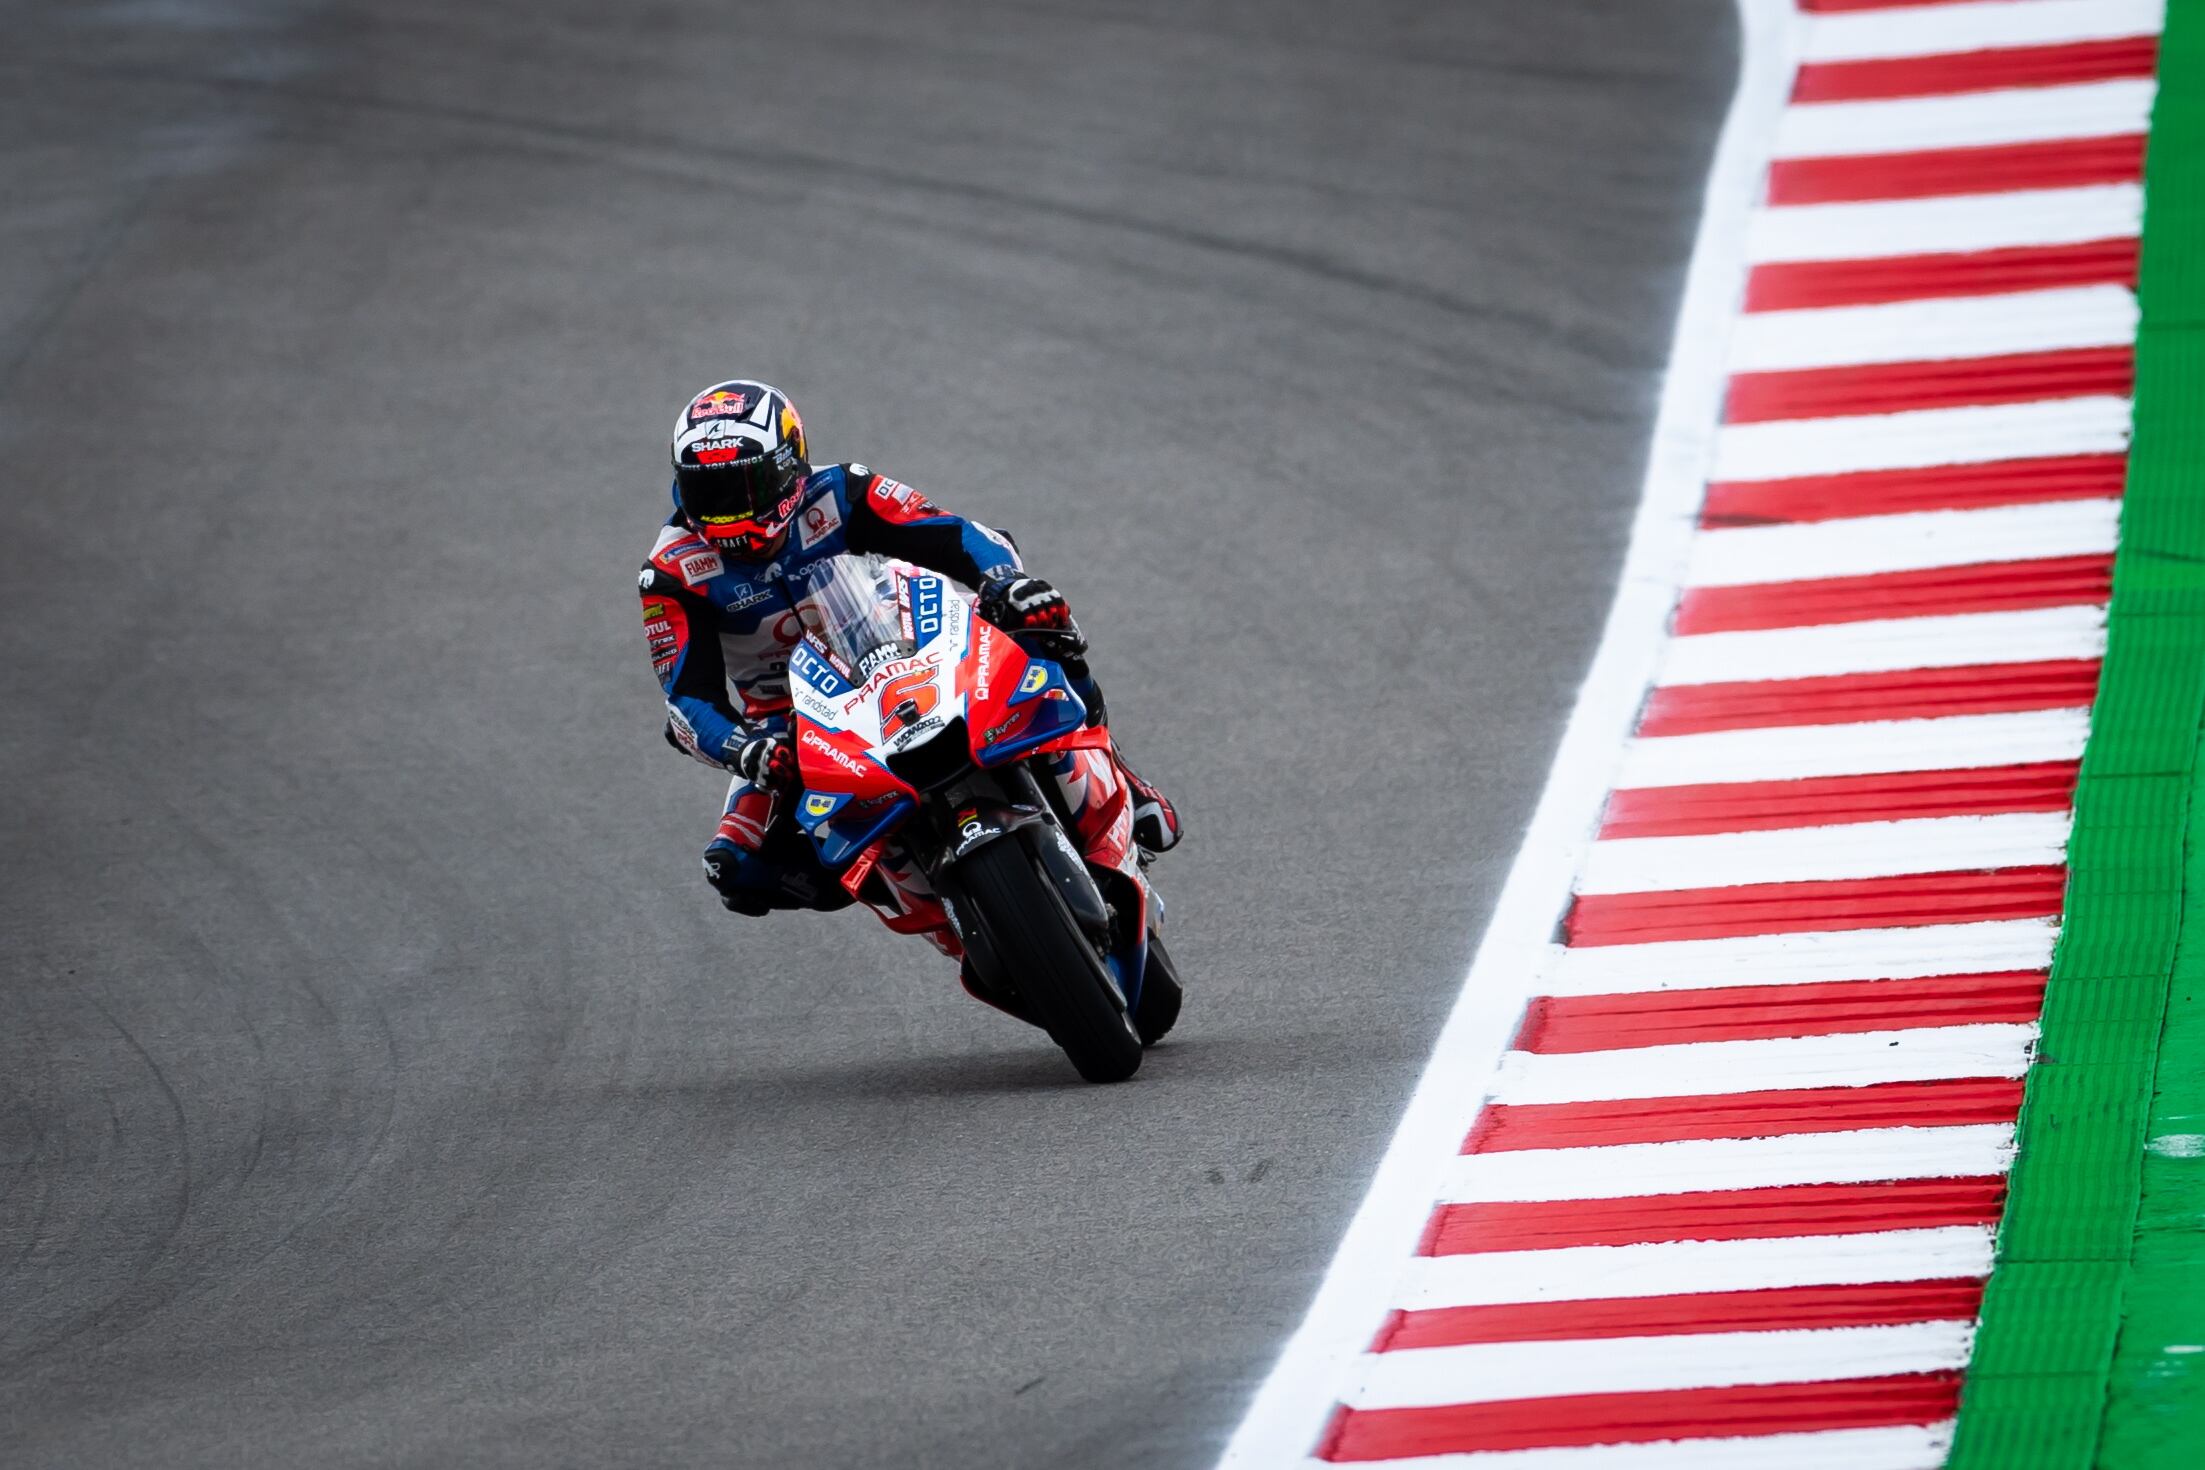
pixel 952 778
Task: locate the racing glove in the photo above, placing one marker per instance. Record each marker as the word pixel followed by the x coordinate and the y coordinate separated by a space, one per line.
pixel 1018 603
pixel 767 762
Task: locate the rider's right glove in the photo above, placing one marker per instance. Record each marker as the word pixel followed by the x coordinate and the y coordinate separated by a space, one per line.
pixel 767 762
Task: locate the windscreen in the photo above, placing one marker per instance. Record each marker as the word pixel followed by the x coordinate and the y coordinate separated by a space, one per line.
pixel 850 608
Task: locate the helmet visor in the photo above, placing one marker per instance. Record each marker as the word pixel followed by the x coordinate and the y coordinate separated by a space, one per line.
pixel 743 498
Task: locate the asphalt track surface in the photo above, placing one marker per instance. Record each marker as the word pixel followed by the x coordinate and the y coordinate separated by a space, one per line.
pixel 382 1085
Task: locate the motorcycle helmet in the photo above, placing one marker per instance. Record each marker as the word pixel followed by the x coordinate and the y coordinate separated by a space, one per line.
pixel 740 464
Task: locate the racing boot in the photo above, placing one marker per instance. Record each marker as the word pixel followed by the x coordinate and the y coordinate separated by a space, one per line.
pixel 1155 819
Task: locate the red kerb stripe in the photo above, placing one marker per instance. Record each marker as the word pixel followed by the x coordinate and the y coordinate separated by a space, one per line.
pixel 2062 64
pixel 1555 1024
pixel 1813 907
pixel 1879 1304
pixel 1507 1127
pixel 1797 285
pixel 1821 801
pixel 1956 170
pixel 1897 387
pixel 1632 1418
pixel 1999 586
pixel 1844 699
pixel 1780 1211
pixel 1898 492
pixel 2000 169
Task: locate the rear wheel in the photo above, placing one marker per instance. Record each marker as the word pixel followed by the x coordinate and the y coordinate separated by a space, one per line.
pixel 1059 976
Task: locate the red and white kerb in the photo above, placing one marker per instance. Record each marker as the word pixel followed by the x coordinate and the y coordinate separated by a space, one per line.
pixel 1729 1197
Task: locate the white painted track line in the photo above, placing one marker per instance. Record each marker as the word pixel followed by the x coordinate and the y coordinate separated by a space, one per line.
pixel 1621 1171
pixel 1721 1068
pixel 1681 1267
pixel 1951 742
pixel 1938 226
pixel 1970 120
pixel 1488 1372
pixel 1937 328
pixel 1905 1447
pixel 1888 645
pixel 1812 854
pixel 1864 546
pixel 1931 30
pixel 1992 946
pixel 2097 424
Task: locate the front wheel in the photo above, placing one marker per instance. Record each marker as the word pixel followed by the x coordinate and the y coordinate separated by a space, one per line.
pixel 1046 956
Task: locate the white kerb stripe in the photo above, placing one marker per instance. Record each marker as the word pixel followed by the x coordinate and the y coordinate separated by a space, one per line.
pixel 1967 120
pixel 1699 1068
pixel 1900 1447
pixel 1991 946
pixel 1931 30
pixel 1740 556
pixel 1682 1267
pixel 1817 854
pixel 1628 1170
pixel 1488 1372
pixel 1885 646
pixel 1934 329
pixel 1937 226
pixel 1801 752
pixel 1918 438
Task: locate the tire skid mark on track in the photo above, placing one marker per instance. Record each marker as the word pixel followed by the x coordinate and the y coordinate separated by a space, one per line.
pixel 1761 1095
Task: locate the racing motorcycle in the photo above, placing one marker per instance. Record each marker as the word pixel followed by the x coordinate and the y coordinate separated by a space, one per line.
pixel 951 775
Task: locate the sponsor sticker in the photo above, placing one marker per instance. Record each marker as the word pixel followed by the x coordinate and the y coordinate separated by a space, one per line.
pixel 814 670
pixel 1035 678
pixel 719 404
pixel 926 608
pixel 745 595
pixel 899 502
pixel 685 734
pixel 813 740
pixel 819 521
pixel 700 566
pixel 983 658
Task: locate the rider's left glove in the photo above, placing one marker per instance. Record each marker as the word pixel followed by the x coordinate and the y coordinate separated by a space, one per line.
pixel 1018 603
pixel 767 762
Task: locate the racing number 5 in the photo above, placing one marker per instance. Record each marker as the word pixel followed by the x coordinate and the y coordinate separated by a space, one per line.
pixel 905 699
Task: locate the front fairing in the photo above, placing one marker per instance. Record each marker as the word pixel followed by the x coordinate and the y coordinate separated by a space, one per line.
pixel 877 676
pixel 1017 703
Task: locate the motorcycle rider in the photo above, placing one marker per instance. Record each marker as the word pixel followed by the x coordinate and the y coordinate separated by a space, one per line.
pixel 749 512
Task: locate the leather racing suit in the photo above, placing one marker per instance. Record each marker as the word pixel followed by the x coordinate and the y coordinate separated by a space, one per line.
pixel 720 632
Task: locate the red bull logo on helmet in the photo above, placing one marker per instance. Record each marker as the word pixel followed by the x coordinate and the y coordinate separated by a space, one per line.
pixel 719 404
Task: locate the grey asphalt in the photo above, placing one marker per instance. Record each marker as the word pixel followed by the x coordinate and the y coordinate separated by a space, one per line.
pixel 382 1085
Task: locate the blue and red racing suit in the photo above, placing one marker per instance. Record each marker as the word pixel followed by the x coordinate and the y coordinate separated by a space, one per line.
pixel 720 634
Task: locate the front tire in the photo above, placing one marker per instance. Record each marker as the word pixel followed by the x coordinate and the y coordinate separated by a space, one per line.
pixel 1044 953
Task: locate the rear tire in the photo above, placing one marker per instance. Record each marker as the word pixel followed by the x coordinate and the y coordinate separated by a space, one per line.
pixel 1058 974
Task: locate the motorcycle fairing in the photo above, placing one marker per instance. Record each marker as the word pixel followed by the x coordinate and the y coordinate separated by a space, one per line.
pixel 936 661
pixel 1016 703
